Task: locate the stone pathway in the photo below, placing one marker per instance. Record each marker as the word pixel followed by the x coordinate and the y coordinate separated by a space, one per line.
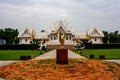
pixel 48 55
pixel 52 54
pixel 7 62
pixel 116 61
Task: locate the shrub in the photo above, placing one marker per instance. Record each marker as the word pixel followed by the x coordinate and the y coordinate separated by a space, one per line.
pixel 18 47
pixel 41 53
pixel 91 56
pixel 43 48
pixel 80 52
pixel 102 46
pixel 102 56
pixel 105 46
pixel 25 57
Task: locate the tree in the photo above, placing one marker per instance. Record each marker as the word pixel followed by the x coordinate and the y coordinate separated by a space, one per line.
pixel 1 33
pixel 112 37
pixel 106 37
pixel 10 35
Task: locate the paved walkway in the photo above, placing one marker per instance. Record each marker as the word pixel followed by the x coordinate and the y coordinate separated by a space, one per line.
pixel 52 54
pixel 116 61
pixel 48 55
pixel 6 62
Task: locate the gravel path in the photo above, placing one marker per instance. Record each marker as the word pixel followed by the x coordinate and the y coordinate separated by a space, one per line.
pixel 48 55
pixel 7 62
pixel 52 54
pixel 116 61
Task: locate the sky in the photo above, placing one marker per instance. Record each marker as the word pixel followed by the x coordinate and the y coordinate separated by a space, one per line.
pixel 41 14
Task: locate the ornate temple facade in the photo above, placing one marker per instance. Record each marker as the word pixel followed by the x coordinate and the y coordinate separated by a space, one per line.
pixel 52 36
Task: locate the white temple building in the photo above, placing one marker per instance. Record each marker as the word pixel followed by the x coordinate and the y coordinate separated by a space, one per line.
pixel 52 37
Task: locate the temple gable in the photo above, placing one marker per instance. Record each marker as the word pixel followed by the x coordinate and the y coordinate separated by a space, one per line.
pixel 26 32
pixel 94 32
pixel 60 30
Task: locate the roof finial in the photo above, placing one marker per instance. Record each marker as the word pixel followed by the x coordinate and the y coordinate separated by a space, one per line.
pixel 87 36
pixel 32 35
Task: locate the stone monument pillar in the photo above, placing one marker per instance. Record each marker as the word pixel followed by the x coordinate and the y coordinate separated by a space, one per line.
pixel 62 53
pixel 62 56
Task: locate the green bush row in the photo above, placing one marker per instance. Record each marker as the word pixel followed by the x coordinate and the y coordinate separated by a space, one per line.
pixel 102 46
pixel 18 47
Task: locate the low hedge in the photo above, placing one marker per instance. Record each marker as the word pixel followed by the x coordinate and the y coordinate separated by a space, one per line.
pixel 102 46
pixel 25 57
pixel 18 47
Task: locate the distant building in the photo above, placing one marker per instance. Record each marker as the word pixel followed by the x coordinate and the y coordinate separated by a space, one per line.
pixel 2 41
pixel 95 35
pixel 52 37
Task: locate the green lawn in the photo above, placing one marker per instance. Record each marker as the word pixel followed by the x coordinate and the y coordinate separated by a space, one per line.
pixel 109 53
pixel 15 54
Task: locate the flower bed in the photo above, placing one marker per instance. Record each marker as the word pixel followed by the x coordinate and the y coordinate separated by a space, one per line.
pixel 77 69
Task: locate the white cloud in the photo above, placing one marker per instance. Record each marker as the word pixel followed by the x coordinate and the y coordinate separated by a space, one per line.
pixel 81 14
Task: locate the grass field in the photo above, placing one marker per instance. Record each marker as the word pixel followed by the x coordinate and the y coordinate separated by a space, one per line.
pixel 109 53
pixel 15 54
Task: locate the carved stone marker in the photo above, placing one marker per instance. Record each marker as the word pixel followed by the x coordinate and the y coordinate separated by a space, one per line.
pixel 62 56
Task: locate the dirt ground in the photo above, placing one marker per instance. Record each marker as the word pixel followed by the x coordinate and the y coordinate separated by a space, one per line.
pixel 76 69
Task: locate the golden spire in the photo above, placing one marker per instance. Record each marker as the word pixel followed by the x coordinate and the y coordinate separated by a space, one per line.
pixel 87 36
pixel 43 40
pixel 32 35
pixel 78 39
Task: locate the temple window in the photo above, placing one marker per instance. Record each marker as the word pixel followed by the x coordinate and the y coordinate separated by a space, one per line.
pixel 66 38
pixel 70 38
pixel 54 38
pixel 51 38
pixel 26 40
pixel 95 39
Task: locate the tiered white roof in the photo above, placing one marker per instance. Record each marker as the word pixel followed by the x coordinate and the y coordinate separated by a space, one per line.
pixel 95 32
pixel 61 25
pixel 25 33
pixel 41 35
pixel 80 35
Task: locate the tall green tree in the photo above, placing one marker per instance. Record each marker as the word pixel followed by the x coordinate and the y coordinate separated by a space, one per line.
pixel 1 33
pixel 9 34
pixel 106 37
pixel 112 37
